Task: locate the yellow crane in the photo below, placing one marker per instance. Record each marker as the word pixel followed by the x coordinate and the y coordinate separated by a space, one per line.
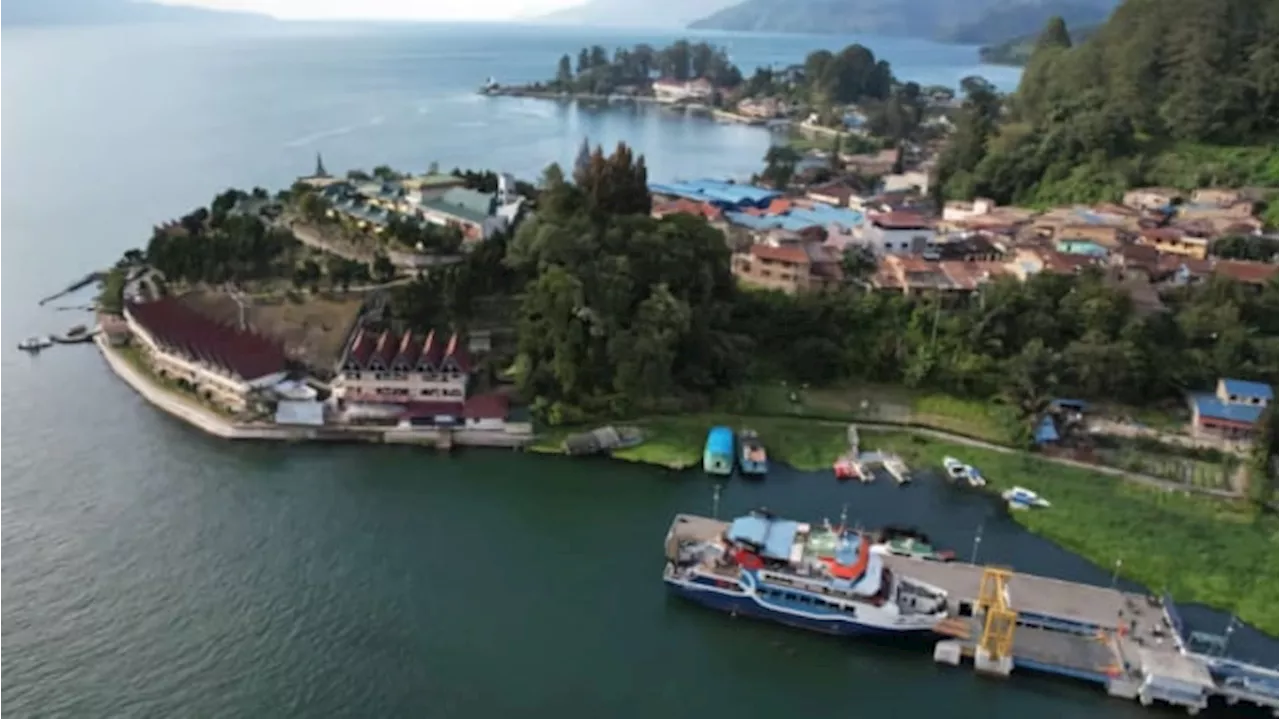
pixel 999 619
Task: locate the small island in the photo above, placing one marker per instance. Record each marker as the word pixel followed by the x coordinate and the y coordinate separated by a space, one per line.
pixel 683 73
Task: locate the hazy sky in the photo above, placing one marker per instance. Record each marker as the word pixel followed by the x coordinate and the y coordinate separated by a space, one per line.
pixel 389 9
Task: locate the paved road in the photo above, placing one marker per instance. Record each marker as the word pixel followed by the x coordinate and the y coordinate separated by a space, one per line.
pixel 1143 479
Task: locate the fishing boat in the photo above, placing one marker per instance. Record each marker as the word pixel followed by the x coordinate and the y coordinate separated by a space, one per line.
pixel 1022 498
pixel 913 547
pixel 846 467
pixel 752 458
pixel 824 579
pixel 717 455
pixel 75 335
pixel 35 344
pixel 897 469
pixel 959 471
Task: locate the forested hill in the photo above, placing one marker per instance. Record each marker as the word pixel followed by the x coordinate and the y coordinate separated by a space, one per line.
pixel 1169 92
pixel 975 22
pixel 110 12
pixel 1017 52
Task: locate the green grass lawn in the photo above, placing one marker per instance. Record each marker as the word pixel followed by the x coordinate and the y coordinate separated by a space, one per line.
pixel 873 403
pixel 676 441
pixel 133 355
pixel 1200 549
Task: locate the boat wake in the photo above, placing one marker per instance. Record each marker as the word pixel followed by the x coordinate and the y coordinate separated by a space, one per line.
pixel 334 132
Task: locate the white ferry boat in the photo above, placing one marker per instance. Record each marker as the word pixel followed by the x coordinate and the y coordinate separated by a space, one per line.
pixel 823 579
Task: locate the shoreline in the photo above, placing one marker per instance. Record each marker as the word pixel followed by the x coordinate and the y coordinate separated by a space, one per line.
pixel 718 114
pixel 1096 514
pixel 1134 518
pixel 215 425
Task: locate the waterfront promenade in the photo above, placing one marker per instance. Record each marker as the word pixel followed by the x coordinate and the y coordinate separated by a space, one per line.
pixel 217 425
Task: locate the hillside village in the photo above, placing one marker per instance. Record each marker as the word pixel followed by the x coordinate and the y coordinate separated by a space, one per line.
pixel 804 238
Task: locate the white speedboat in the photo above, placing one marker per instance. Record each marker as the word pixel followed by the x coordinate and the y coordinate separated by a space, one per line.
pixel 959 471
pixel 35 344
pixel 1023 498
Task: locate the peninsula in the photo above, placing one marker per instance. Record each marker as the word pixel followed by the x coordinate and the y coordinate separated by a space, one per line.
pixel 1066 326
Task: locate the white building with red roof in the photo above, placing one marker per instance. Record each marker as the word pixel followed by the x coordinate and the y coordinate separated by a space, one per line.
pixel 220 363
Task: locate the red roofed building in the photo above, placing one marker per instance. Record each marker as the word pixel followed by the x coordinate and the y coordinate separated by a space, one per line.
pixel 403 368
pixel 1252 273
pixel 222 363
pixel 709 212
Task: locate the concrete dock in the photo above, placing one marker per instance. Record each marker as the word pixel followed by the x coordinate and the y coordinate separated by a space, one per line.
pixel 1128 643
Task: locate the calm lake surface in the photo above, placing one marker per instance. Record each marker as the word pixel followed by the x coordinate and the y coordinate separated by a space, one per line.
pixel 150 571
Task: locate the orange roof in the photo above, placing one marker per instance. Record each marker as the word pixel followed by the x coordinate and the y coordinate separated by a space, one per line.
pixel 968 275
pixel 1162 233
pixel 779 205
pixel 789 255
pixel 688 207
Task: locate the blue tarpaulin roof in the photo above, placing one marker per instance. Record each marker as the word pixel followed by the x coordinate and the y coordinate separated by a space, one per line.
pixel 1047 431
pixel 1208 405
pixel 774 536
pixel 1242 388
pixel 798 218
pixel 720 441
pixel 716 192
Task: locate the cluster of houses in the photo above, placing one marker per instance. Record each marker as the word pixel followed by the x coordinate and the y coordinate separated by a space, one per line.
pixel 386 378
pixel 798 242
pixel 435 198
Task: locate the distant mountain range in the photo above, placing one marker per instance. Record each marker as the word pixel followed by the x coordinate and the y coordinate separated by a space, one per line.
pixel 636 13
pixel 1017 51
pixel 103 12
pixel 974 22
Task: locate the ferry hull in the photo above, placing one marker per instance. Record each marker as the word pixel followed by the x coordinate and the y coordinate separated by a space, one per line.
pixel 745 605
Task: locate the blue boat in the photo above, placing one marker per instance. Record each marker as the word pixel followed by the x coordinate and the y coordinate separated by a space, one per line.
pixel 717 456
pixel 752 459
pixel 824 579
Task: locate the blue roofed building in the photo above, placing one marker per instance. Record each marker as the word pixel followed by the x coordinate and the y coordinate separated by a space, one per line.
pixel 1231 411
pixel 722 194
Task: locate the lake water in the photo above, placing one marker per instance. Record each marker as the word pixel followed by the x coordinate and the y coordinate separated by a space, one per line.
pixel 150 571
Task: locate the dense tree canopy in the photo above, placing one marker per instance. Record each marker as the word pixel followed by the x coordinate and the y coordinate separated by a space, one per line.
pixel 1166 92
pixel 596 72
pixel 620 310
pixel 220 246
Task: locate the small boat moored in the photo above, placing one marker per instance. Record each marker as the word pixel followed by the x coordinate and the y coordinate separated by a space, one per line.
pixel 1022 498
pixel 959 471
pixel 897 469
pixel 717 455
pixel 35 344
pixel 752 458
pixel 914 548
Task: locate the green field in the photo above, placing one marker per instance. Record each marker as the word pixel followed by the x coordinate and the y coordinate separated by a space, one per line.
pixel 984 420
pixel 1200 549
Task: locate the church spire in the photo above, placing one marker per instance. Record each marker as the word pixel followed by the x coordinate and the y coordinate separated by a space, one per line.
pixel 320 171
pixel 583 161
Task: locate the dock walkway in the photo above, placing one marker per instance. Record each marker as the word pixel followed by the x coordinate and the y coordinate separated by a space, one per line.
pixel 1127 642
